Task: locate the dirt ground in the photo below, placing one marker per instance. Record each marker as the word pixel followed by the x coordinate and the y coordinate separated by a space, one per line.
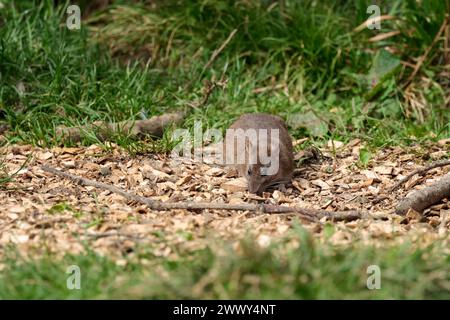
pixel 39 211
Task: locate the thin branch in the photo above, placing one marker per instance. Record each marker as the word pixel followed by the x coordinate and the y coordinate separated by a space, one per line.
pixel 370 21
pixel 424 198
pixel 306 213
pixel 154 126
pixel 219 50
pixel 112 234
pixel 420 171
pixel 213 57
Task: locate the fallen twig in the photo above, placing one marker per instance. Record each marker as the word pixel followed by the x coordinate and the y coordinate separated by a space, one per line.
pixel 370 21
pixel 420 171
pixel 154 126
pixel 383 36
pixel 138 128
pixel 422 199
pixel 211 60
pixel 112 234
pixel 216 52
pixel 306 213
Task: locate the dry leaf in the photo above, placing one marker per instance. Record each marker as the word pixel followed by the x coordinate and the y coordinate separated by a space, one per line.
pixel 239 184
pixel 383 170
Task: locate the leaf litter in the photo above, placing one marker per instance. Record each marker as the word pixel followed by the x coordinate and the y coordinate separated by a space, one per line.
pixel 40 212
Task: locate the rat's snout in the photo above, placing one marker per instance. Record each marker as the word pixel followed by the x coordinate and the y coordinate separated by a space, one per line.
pixel 254 187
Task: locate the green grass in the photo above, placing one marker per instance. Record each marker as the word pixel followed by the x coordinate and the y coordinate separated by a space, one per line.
pixel 66 80
pixel 325 79
pixel 297 267
pixel 52 76
pixel 5 175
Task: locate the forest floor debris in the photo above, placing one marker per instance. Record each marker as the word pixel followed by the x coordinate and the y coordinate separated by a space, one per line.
pixel 40 211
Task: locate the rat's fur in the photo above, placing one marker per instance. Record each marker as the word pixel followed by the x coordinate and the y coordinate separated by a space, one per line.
pixel 257 183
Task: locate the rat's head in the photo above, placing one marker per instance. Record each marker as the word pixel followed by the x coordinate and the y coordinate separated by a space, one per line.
pixel 258 177
pixel 262 165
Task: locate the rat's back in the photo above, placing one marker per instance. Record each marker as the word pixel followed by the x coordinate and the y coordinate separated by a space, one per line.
pixel 259 121
pixel 266 121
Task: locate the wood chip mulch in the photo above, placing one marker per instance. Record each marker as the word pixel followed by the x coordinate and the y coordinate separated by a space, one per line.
pixel 41 212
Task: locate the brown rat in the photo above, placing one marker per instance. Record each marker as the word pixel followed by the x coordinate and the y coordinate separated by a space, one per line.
pixel 266 150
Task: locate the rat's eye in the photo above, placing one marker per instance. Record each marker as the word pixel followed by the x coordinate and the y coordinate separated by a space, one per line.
pixel 249 171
